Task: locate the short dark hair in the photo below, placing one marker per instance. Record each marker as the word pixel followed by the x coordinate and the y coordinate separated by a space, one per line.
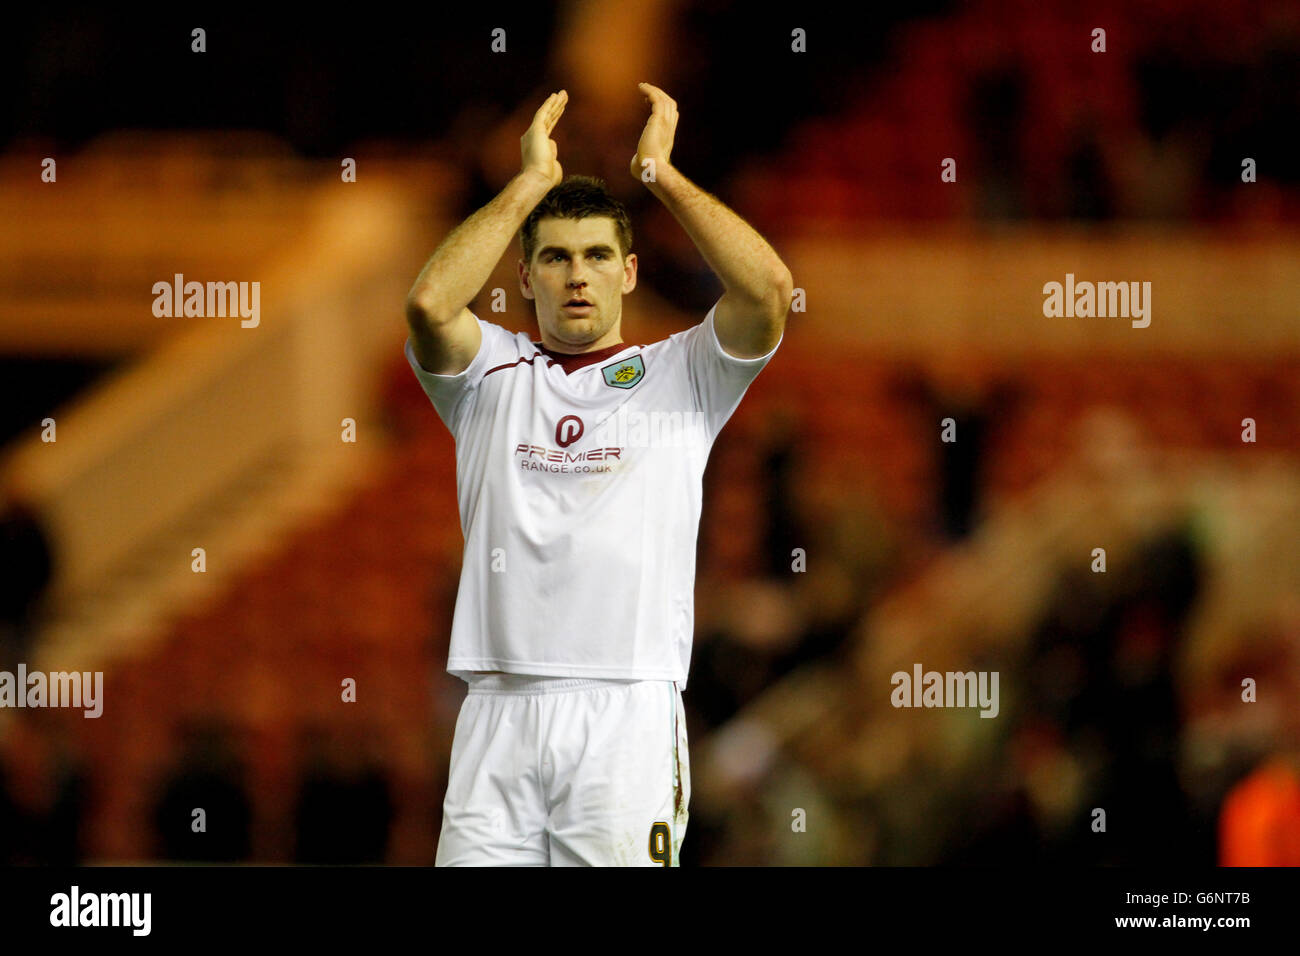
pixel 577 197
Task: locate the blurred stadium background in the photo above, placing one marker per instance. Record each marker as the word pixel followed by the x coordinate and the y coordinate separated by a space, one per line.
pixel 328 559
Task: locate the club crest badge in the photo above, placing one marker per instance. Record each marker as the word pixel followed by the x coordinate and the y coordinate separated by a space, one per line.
pixel 625 372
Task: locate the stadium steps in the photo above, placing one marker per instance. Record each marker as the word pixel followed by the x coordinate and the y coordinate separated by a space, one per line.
pixel 242 448
pixel 127 607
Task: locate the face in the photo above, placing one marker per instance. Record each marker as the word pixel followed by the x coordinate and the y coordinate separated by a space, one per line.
pixel 578 258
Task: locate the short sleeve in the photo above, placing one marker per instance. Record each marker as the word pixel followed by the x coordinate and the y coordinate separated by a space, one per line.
pixel 718 379
pixel 449 393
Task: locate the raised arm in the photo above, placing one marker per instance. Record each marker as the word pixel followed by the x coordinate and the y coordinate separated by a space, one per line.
pixel 750 317
pixel 444 335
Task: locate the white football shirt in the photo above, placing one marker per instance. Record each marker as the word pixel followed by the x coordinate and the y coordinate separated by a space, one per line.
pixel 579 480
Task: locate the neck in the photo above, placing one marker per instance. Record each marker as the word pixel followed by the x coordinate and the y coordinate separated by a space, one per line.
pixel 604 345
pixel 612 337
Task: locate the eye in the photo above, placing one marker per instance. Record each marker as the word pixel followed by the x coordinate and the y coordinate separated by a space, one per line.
pixel 599 255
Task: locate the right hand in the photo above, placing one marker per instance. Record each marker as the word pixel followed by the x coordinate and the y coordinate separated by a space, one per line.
pixel 539 150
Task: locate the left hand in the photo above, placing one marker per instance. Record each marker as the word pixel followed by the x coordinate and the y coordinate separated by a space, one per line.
pixel 657 137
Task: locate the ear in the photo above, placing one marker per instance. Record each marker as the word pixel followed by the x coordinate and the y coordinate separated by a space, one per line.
pixel 525 283
pixel 629 273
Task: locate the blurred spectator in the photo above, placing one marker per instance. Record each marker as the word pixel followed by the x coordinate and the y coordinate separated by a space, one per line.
pixel 344 809
pixel 1001 828
pixel 27 558
pixel 779 497
pixel 961 389
pixel 1165 164
pixel 207 775
pixel 997 109
pixel 1100 677
pixel 42 793
pixel 1090 192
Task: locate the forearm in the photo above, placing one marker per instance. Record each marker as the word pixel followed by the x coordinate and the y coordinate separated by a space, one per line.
pixel 461 265
pixel 742 259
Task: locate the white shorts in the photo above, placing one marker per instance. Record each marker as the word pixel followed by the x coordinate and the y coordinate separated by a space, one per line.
pixel 549 771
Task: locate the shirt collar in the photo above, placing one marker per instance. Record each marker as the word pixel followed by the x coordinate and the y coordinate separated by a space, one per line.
pixel 571 363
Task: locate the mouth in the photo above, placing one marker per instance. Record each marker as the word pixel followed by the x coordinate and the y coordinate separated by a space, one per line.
pixel 578 306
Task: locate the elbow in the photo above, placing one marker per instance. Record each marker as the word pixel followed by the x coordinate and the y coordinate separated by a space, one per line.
pixel 421 311
pixel 785 285
pixel 782 290
pixel 770 297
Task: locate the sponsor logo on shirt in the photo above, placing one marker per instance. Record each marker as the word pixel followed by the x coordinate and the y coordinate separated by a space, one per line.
pixel 541 458
pixel 568 430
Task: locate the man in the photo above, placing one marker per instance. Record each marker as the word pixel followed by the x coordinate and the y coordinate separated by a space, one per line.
pixel 579 463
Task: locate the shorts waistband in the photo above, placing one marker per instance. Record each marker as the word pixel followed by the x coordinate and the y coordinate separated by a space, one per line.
pixel 528 684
